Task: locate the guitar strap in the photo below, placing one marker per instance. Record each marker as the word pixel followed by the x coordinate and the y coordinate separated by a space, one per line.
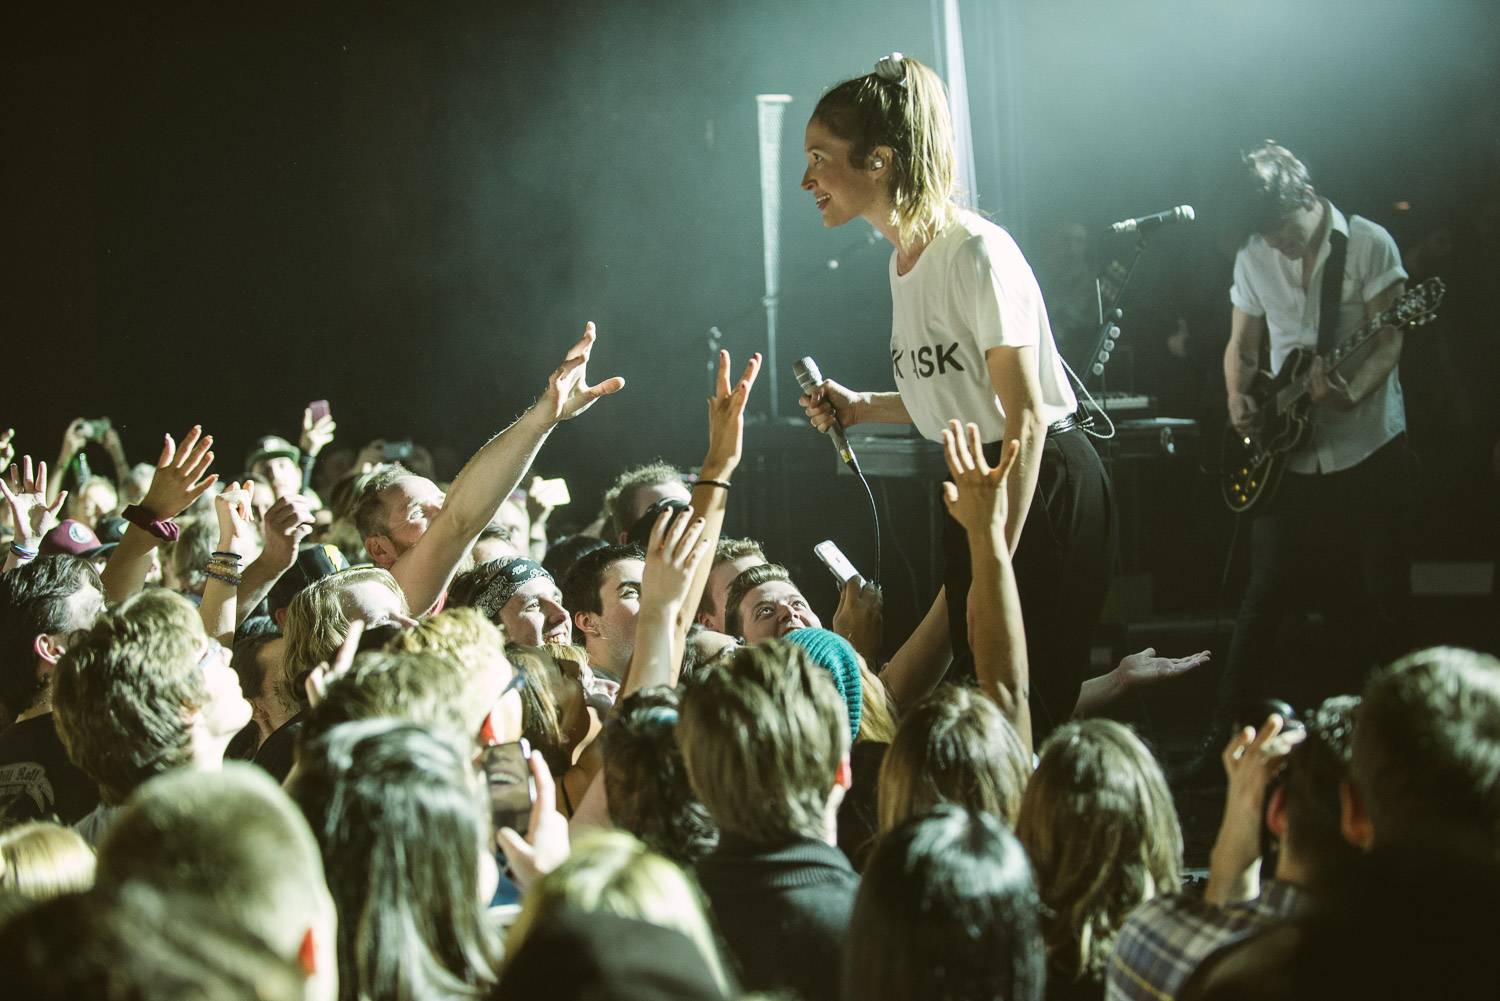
pixel 1333 287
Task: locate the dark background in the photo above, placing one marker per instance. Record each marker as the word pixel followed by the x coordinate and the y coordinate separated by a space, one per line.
pixel 411 208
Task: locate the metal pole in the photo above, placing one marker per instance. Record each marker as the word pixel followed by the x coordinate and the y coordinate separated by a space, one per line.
pixel 771 108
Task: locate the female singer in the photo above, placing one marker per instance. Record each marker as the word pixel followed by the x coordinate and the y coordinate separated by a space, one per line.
pixel 969 340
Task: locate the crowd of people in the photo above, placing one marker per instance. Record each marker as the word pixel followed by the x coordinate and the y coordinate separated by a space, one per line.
pixel 399 741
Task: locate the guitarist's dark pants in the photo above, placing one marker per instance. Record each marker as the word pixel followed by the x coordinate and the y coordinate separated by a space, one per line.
pixel 1337 542
pixel 1062 567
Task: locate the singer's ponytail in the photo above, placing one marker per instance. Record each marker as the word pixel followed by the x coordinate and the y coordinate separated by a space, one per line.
pixel 903 105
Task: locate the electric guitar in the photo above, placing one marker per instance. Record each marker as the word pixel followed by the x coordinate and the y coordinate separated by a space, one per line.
pixel 1252 463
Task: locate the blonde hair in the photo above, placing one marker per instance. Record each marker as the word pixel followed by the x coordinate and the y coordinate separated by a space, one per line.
pixel 317 621
pixel 612 872
pixel 42 860
pixel 909 114
pixel 476 647
pixel 955 746
pixel 1102 832
pixel 877 717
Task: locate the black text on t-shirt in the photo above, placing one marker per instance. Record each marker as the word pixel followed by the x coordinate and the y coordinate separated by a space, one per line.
pixel 927 360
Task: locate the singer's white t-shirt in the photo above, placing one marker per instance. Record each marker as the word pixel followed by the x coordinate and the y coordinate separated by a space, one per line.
pixel 971 290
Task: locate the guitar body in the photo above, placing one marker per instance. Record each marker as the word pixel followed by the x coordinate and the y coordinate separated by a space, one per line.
pixel 1252 464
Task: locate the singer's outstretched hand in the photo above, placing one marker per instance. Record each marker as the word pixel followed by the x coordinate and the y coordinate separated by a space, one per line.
pixel 828 401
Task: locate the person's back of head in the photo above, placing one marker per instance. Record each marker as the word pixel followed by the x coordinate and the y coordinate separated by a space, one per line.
pixel 423 688
pixel 1098 822
pixel 401 821
pixel 955 746
pixel 572 954
pixel 563 553
pixel 41 860
pixel 51 597
pixel 1316 767
pixel 646 782
pixel 611 871
pixel 126 692
pixel 232 841
pixel 139 945
pixel 947 911
pixel 1426 760
pixel 765 739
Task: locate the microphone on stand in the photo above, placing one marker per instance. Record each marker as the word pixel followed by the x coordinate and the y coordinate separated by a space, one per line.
pixel 810 378
pixel 1146 223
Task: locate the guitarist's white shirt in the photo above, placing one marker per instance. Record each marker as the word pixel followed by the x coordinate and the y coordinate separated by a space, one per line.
pixel 1267 283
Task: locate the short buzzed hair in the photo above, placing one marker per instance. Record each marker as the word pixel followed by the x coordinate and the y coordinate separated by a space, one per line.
pixel 619 499
pixel 367 508
pixel 762 735
pixel 1427 753
pixel 231 839
pixel 742 585
pixel 34 600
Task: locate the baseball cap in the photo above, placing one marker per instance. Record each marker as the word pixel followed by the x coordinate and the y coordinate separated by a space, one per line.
pixel 313 563
pixel 269 447
pixel 72 538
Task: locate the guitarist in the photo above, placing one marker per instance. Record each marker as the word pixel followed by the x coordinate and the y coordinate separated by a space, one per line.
pixel 1338 507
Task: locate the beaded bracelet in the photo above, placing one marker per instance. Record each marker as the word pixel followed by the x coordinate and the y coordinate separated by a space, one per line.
pixel 233 580
pixel 22 552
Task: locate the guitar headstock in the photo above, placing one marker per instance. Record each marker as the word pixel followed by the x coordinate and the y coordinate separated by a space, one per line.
pixel 1418 305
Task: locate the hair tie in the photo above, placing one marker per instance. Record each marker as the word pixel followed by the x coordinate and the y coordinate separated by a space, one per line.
pixel 892 68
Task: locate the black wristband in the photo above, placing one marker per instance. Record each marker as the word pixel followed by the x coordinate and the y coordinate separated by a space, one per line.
pixel 721 484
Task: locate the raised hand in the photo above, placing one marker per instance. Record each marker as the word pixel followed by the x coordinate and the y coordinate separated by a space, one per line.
pixel 860 617
pixel 828 401
pixel 726 418
pixel 323 675
pixel 179 478
pixel 1144 667
pixel 316 434
pixel 236 525
pixel 976 495
pixel 674 552
pixel 545 846
pixel 76 437
pixel 1252 758
pixel 285 525
pixel 26 493
pixel 568 391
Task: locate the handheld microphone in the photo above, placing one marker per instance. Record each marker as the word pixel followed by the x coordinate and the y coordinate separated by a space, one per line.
pixel 809 378
pixel 1146 223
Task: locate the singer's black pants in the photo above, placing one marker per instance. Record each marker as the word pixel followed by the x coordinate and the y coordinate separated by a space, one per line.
pixel 1062 567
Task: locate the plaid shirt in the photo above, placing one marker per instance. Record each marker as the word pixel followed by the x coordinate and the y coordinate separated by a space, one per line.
pixel 1166 938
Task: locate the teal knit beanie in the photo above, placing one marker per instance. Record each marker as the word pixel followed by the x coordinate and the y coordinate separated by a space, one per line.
pixel 834 654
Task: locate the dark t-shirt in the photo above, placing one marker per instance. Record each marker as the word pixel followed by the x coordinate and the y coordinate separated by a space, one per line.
pixel 783 913
pixel 37 781
pixel 279 751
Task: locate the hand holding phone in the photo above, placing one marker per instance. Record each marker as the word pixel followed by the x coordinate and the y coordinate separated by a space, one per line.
pixel 511 787
pixel 834 559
